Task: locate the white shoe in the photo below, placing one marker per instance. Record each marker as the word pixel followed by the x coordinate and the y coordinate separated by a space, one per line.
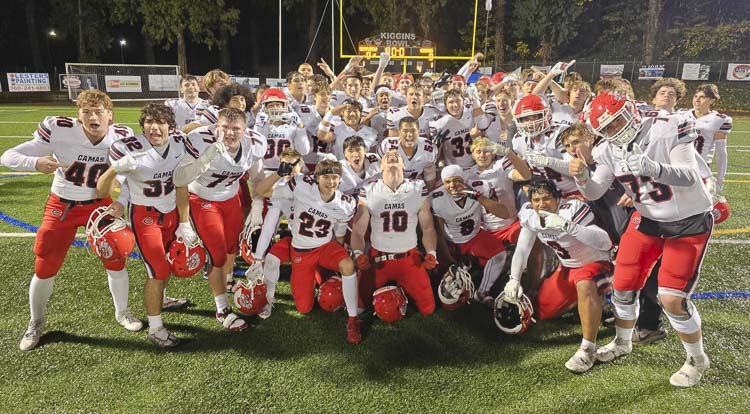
pixel 129 322
pixel 582 360
pixel 32 335
pixel 691 372
pixel 266 312
pixel 163 338
pixel 617 348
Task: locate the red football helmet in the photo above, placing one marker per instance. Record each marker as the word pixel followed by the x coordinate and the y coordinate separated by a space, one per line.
pixel 275 112
pixel 721 210
pixel 513 317
pixel 110 237
pixel 250 298
pixel 184 260
pixel 390 303
pixel 331 295
pixel 532 106
pixel 246 243
pixel 616 110
pixel 456 287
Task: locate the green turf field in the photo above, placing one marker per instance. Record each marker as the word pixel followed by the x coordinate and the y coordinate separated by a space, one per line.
pixel 447 362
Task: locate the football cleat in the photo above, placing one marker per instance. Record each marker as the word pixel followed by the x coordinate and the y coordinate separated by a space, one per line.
pixel 331 295
pixel 109 237
pixel 390 303
pixel 691 372
pixel 230 320
pixel 581 361
pixel 129 321
pixel 456 287
pixel 184 260
pixel 647 336
pixel 163 338
pixel 617 348
pixel 250 297
pixel 353 334
pixel 32 335
pixel 511 316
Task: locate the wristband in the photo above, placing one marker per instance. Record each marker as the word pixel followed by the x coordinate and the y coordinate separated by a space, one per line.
pixel 357 253
pixel 328 117
pixel 432 252
pixel 324 128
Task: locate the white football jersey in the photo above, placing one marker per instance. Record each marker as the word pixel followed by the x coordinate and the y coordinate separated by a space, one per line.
pixel 351 181
pixel 379 123
pixel 220 181
pixel 656 201
pixel 315 222
pixel 343 131
pixel 550 145
pixel 707 126
pixel 294 104
pixel 394 215
pixel 311 118
pixel 414 166
pixel 282 197
pixel 570 251
pixel 461 223
pixel 338 98
pixel 429 113
pixel 65 139
pixel 151 182
pixel 208 115
pixel 456 138
pixel 494 129
pixel 562 114
pixel 279 137
pixel 184 112
pixel 498 176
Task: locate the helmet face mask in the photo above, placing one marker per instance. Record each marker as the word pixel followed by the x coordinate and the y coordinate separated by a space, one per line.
pixel 513 317
pixel 110 237
pixel 248 238
pixel 456 287
pixel 614 118
pixel 532 116
pixel 275 104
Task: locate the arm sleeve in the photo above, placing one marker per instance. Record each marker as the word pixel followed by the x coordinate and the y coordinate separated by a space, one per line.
pixel 597 184
pixel 521 255
pixel 592 235
pixel 301 142
pixel 559 165
pixel 124 196
pixel 464 71
pixel 721 159
pixel 682 171
pixel 23 157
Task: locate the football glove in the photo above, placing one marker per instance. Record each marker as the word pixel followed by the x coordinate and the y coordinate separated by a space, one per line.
pixel 472 194
pixel 125 164
pixel 536 159
pixel 186 233
pixel 513 290
pixel 430 261
pixel 285 168
pixel 363 261
pixel 552 221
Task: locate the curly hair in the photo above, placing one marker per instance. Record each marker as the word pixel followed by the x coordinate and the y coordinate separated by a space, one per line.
pixel 225 94
pixel 94 97
pixel 674 83
pixel 157 112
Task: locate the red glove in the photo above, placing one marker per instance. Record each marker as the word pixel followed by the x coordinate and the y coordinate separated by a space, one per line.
pixel 363 262
pixel 430 261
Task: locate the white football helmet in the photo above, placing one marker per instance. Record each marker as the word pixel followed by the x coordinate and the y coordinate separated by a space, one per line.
pixel 456 287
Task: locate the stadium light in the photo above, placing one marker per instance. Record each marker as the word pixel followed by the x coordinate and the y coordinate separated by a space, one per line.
pixel 52 33
pixel 122 56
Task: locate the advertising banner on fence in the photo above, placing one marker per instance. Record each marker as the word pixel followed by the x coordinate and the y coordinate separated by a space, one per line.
pixel 121 83
pixel 81 82
pixel 735 72
pixel 651 72
pixel 163 83
pixel 611 71
pixel 28 82
pixel 695 71
pixel 276 82
pixel 251 83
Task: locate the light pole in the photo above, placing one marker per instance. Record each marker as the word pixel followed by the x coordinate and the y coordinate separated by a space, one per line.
pixel 122 56
pixel 51 35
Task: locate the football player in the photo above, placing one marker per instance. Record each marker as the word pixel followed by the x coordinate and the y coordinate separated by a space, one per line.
pixel 458 207
pixel 79 150
pixel 351 125
pixel 295 91
pixel 229 96
pixel 184 108
pixel 419 154
pixel 214 197
pixel 656 164
pixel 320 213
pixel 566 226
pixel 311 116
pixel 358 166
pixel 159 211
pixel 379 120
pixel 392 206
pixel 416 109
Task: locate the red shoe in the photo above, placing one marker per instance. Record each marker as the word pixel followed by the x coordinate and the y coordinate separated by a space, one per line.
pixel 352 330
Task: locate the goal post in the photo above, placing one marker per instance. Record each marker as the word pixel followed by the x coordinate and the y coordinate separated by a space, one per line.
pixel 124 82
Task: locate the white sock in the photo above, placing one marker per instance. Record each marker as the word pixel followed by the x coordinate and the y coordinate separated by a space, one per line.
pixel 271 274
pixel 221 302
pixel 625 334
pixel 164 295
pixel 695 349
pixel 229 277
pixel 118 286
pixel 492 270
pixel 586 344
pixel 349 285
pixel 154 323
pixel 39 292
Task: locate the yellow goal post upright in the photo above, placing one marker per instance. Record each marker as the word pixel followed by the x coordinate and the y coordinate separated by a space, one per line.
pixel 343 55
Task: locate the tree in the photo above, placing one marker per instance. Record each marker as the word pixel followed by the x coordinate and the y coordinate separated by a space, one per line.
pixel 36 55
pixel 653 18
pixel 500 30
pixel 88 21
pixel 552 23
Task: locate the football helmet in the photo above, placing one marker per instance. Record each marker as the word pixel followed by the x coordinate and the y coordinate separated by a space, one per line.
pixel 607 108
pixel 511 316
pixel 275 113
pixel 250 298
pixel 528 106
pixel 186 260
pixel 721 210
pixel 331 295
pixel 110 237
pixel 456 287
pixel 390 303
pixel 249 233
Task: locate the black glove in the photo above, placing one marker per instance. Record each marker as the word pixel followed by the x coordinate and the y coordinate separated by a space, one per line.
pixel 444 78
pixel 285 168
pixel 439 137
pixel 472 194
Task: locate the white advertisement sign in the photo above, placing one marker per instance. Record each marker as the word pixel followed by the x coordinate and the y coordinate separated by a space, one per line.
pixel 735 72
pixel 78 82
pixel 28 82
pixel 611 71
pixel 695 71
pixel 121 83
pixel 276 82
pixel 251 83
pixel 163 83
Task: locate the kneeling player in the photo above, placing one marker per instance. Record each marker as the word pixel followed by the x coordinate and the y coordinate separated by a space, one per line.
pixel 393 205
pixel 584 272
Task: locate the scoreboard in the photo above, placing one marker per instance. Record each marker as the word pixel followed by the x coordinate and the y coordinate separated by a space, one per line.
pixel 408 53
pixel 396 52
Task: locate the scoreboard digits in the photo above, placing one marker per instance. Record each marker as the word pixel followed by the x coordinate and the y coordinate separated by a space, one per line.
pixel 395 52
